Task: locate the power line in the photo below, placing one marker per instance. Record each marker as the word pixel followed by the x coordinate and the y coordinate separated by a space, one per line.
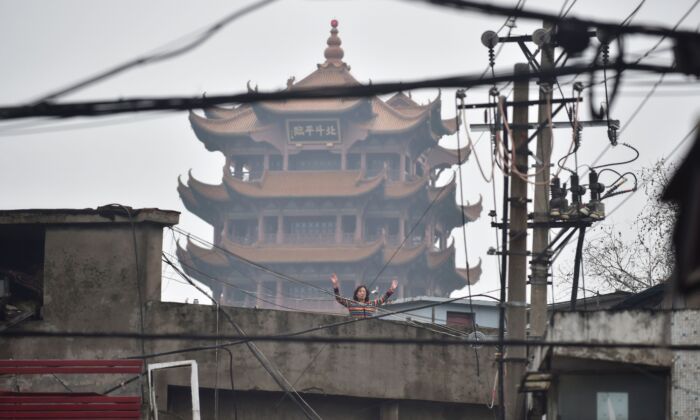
pixel 387 312
pixel 537 15
pixel 266 364
pixel 91 108
pixel 241 339
pixel 46 126
pixel 668 156
pixel 200 37
pixel 656 85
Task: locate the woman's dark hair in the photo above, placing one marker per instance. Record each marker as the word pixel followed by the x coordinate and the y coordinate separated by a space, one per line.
pixel 354 295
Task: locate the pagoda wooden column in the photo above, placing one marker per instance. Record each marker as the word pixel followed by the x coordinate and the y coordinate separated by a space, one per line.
pixel 402 167
pixel 402 227
pixel 343 160
pixel 280 229
pixel 259 291
pixel 285 161
pixel 261 228
pixel 266 162
pixel 359 225
pixel 363 161
pixel 279 298
pixel 338 229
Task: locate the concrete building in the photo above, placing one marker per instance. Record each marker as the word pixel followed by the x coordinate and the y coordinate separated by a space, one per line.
pixel 618 383
pixel 84 268
pixel 459 314
pixel 313 187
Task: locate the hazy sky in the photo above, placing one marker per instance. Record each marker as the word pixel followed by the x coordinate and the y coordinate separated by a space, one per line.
pixel 136 159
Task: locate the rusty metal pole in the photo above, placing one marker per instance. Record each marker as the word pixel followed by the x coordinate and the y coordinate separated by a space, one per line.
pixel 516 357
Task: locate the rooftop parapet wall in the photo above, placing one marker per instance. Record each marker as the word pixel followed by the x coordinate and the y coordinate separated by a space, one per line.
pixel 400 371
pixel 612 327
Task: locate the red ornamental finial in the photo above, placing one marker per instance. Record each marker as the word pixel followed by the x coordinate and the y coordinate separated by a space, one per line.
pixel 334 23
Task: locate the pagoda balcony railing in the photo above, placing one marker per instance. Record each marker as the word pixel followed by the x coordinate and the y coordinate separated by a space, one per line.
pixel 270 238
pixel 348 238
pixel 414 241
pixel 391 239
pixel 248 176
pixel 309 238
pixel 392 174
pixel 244 240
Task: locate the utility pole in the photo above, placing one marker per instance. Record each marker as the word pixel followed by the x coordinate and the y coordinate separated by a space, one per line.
pixel 516 357
pixel 540 235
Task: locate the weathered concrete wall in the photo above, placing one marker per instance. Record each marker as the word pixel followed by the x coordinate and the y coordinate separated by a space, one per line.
pixel 403 371
pixel 273 405
pixel 685 374
pixel 91 276
pixel 612 327
pixel 90 286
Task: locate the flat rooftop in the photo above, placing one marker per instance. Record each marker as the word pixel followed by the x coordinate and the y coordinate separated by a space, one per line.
pixel 103 214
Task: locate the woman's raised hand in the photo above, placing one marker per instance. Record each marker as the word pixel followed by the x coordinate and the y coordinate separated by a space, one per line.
pixel 334 280
pixel 394 284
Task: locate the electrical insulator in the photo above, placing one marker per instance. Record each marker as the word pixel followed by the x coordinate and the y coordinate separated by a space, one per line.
pixel 576 207
pixel 558 202
pixel 596 207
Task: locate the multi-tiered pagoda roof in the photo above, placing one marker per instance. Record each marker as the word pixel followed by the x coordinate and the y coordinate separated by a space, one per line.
pixel 360 174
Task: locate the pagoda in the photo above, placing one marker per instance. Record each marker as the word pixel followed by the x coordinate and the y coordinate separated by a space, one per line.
pixel 313 187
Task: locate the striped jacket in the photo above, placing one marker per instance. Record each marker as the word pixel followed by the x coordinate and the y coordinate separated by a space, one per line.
pixel 362 310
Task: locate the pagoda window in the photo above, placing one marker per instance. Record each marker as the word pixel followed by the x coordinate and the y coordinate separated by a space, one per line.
pixel 243 231
pixel 246 168
pixel 354 161
pixel 276 162
pixel 305 292
pixel 419 170
pixel 314 161
pixel 310 230
pixel 376 226
pixel 377 161
pixel 417 234
pixel 418 291
pixel 270 228
pixel 349 225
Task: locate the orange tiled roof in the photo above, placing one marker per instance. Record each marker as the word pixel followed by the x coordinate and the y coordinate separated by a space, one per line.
pixel 440 157
pixel 438 258
pixel 270 253
pixel 403 255
pixel 473 211
pixel 396 190
pixel 398 114
pixel 239 121
pixel 470 275
pixel 194 253
pixel 276 184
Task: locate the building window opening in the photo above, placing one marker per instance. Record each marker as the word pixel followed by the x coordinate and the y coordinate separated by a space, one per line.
pixel 460 320
pixel 377 161
pixel 243 231
pixel 314 161
pixel 246 168
pixel 276 162
pixel 270 223
pixel 353 161
pixel 309 230
pixel 376 226
pixel 349 224
pixel 21 273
